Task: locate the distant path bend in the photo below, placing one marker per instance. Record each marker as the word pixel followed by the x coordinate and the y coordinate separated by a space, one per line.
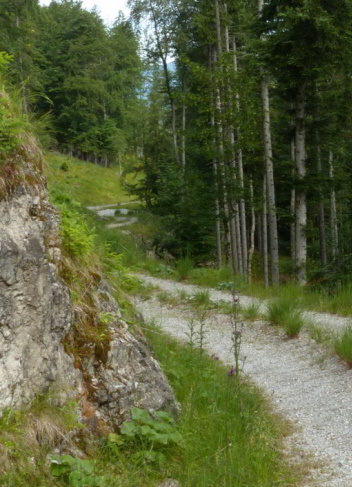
pixel 104 211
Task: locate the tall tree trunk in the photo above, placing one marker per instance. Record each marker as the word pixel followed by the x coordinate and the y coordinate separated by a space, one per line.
pixel 174 130
pixel 183 138
pixel 322 239
pixel 269 169
pixel 217 203
pixel 265 236
pixel 233 205
pixel 301 197
pixel 260 235
pixel 217 218
pixel 333 213
pixel 242 205
pixel 293 207
pixel 218 56
pixel 251 249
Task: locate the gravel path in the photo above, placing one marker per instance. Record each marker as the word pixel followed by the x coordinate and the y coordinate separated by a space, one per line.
pixel 332 323
pixel 311 389
pixel 109 211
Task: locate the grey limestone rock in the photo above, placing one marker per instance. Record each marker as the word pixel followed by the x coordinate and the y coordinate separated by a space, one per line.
pixel 36 315
pixel 130 376
pixel 35 305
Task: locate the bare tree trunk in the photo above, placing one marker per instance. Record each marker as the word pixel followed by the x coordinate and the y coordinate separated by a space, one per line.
pixel 274 243
pixel 265 236
pixel 217 216
pixel 322 239
pixel 260 235
pixel 217 204
pixel 183 138
pixel 235 238
pixel 251 249
pixel 220 137
pixel 301 198
pixel 174 131
pixel 292 208
pixel 242 206
pixel 269 168
pixel 333 213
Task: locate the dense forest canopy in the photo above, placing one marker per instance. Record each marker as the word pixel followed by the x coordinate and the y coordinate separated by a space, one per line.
pixel 237 113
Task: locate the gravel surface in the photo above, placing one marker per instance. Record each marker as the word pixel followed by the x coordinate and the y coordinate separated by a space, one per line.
pixel 332 323
pixel 313 390
pixel 109 211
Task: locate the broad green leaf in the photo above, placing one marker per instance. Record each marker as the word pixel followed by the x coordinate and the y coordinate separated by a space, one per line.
pixel 129 428
pixel 165 416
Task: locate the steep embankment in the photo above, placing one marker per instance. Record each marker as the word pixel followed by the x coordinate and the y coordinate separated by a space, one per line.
pixel 308 386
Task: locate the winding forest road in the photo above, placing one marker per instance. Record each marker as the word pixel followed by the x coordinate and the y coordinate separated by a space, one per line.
pixel 109 211
pixel 307 385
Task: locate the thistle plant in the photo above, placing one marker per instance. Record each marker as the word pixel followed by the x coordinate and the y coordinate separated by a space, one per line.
pixel 202 332
pixel 192 333
pixel 236 335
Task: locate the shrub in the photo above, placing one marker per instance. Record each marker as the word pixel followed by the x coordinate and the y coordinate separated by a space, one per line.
pixel 343 346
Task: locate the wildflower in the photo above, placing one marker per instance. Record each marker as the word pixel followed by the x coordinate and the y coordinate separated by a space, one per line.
pixel 232 371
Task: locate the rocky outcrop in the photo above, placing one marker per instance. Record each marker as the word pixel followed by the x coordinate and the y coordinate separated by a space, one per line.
pixel 36 317
pixel 128 377
pixel 35 306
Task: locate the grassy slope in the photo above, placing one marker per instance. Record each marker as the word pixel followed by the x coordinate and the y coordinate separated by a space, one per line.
pixel 87 183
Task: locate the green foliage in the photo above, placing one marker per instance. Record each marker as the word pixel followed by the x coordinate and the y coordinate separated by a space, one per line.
pixel 12 124
pixel 343 346
pixel 76 236
pixel 5 60
pixel 184 267
pixel 156 431
pixel 76 472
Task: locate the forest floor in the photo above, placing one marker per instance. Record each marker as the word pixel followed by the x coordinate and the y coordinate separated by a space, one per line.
pixel 308 385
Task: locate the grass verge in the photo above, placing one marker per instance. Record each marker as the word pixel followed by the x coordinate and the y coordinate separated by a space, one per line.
pixel 229 436
pixel 285 313
pixel 343 346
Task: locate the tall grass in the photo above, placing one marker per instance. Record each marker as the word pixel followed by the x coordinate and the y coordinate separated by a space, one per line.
pixel 343 346
pixel 229 437
pixel 251 312
pixel 183 268
pixel 285 313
